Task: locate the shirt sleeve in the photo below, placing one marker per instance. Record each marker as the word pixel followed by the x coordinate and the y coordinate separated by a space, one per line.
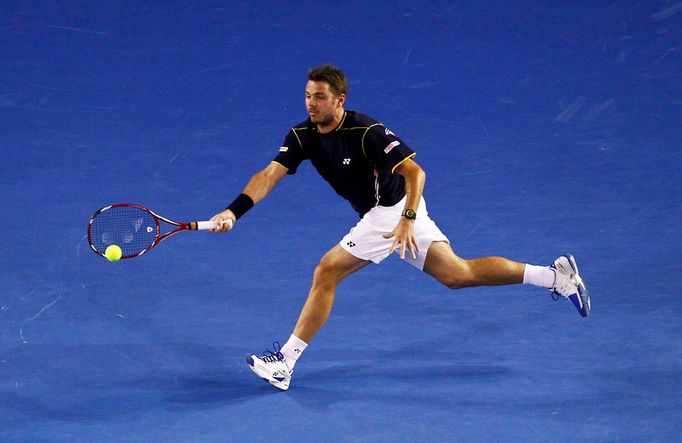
pixel 382 147
pixel 290 153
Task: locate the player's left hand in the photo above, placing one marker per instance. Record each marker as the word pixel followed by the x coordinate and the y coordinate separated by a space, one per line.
pixel 403 235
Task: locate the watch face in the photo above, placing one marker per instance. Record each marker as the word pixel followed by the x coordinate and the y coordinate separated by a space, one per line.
pixel 409 214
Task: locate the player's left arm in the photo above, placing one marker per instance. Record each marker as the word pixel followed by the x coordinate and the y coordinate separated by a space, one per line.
pixel 403 234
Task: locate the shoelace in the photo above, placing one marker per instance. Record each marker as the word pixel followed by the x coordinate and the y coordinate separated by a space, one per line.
pixel 273 357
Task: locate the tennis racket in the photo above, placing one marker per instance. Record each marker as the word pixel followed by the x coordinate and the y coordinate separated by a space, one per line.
pixel 134 228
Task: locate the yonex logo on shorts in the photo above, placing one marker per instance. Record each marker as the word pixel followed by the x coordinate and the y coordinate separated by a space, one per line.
pixel 350 243
pixel 391 146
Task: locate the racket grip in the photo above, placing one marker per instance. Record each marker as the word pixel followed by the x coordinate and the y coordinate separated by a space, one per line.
pixel 205 225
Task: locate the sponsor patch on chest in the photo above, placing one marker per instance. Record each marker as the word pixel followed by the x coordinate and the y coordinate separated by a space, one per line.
pixel 390 146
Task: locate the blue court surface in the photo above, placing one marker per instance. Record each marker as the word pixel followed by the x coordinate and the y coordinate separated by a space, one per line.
pixel 544 128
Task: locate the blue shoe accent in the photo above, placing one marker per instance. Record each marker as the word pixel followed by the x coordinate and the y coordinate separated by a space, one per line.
pixel 581 300
pixel 584 299
pixel 578 305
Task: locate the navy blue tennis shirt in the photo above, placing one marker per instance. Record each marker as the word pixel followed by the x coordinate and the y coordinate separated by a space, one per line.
pixel 358 159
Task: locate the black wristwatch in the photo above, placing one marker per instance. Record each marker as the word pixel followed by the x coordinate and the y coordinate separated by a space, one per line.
pixel 409 214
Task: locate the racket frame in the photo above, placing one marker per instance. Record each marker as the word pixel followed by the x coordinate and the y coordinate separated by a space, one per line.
pixel 158 237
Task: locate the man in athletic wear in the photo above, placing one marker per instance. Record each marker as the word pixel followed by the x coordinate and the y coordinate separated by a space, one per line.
pixel 374 170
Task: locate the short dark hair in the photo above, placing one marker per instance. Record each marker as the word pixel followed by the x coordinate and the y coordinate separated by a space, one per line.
pixel 332 75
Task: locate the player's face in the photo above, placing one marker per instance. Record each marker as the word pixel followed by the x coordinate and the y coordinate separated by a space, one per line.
pixel 321 103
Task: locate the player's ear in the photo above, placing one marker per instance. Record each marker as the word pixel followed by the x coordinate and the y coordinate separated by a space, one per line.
pixel 341 99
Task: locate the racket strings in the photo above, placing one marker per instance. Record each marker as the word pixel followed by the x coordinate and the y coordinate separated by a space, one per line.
pixel 132 229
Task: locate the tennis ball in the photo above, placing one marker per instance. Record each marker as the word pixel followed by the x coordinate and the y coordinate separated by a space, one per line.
pixel 113 253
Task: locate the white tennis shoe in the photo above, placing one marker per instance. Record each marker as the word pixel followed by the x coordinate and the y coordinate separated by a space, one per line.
pixel 272 368
pixel 569 284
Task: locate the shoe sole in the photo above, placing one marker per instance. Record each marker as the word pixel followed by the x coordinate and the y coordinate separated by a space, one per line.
pixel 581 300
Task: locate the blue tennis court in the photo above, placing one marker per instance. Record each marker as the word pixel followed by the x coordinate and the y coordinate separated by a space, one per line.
pixel 543 127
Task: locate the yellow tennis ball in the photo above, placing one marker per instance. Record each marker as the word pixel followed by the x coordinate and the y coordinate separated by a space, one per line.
pixel 113 253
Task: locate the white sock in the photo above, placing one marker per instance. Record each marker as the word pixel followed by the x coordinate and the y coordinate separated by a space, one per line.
pixel 293 349
pixel 542 276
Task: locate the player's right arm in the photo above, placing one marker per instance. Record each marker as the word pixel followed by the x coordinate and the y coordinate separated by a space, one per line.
pixel 256 189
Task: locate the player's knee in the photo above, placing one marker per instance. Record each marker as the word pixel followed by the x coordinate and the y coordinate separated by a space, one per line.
pixel 461 278
pixel 326 273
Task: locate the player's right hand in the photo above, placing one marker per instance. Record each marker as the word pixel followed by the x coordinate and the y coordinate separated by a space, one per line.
pixel 224 221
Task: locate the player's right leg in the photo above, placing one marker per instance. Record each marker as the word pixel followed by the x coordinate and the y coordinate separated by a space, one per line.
pixel 277 367
pixel 335 265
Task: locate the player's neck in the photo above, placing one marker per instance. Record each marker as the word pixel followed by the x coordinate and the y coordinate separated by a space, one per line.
pixel 334 123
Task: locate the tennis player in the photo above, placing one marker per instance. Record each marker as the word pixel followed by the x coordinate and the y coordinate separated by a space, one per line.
pixel 372 168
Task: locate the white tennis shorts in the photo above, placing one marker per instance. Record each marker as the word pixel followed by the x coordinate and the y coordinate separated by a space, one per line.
pixel 366 240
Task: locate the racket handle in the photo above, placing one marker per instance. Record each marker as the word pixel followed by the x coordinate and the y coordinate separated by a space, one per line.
pixel 205 225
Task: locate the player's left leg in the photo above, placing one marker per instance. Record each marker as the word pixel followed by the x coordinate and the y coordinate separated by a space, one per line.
pixel 455 272
pixel 562 277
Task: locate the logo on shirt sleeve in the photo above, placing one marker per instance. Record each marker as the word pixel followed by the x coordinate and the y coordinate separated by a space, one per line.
pixel 283 149
pixel 389 132
pixel 391 145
